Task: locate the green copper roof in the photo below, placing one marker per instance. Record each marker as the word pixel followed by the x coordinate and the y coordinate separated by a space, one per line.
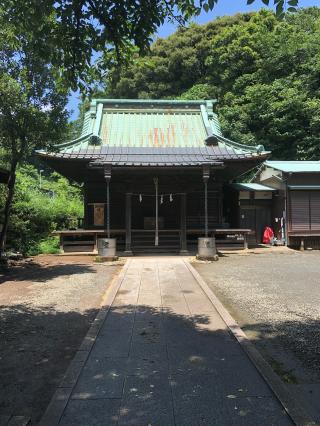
pixel 244 186
pixel 295 166
pixel 152 128
pixel 128 123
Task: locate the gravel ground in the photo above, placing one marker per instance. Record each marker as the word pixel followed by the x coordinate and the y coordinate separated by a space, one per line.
pixel 275 297
pixel 46 307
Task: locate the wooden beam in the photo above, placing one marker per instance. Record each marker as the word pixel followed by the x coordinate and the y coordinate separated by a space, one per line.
pixel 205 176
pixel 183 224
pixel 107 176
pixel 128 207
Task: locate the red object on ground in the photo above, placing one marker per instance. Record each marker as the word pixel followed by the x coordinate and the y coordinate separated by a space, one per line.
pixel 267 235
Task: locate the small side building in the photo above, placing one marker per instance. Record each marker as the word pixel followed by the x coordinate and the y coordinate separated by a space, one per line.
pixel 250 206
pixel 296 204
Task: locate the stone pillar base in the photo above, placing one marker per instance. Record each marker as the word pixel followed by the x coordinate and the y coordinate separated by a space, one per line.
pixel 106 258
pixel 184 253
pixel 215 257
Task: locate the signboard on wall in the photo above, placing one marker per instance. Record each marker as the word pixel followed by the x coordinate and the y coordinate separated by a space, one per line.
pixel 98 214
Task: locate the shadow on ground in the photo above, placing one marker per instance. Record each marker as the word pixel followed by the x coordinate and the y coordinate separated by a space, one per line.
pixel 154 353
pixel 36 347
pixel 42 272
pixel 303 338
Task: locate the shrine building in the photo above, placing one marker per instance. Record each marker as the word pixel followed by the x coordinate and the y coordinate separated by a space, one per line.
pixel 155 175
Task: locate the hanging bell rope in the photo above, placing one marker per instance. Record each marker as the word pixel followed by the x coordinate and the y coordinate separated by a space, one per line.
pixel 171 195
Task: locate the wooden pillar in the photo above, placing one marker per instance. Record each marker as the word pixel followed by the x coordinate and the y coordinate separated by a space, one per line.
pixel 302 244
pixel 183 224
pixel 95 243
pixel 107 176
pixel 86 206
pixel 205 176
pixel 156 184
pixel 245 241
pixel 128 207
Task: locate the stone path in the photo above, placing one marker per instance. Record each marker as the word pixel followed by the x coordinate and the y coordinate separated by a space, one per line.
pixel 165 357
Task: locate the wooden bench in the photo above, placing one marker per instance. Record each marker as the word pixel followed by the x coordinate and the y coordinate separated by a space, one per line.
pixel 233 237
pixel 82 240
pixel 302 237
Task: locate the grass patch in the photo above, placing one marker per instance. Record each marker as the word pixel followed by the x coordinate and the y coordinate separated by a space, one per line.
pixel 49 246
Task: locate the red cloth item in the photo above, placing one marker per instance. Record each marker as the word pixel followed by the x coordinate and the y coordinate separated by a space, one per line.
pixel 267 235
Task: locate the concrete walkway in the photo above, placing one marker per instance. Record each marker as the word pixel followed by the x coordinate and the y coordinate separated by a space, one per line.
pixel 165 357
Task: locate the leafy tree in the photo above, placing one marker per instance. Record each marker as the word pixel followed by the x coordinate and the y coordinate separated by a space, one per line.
pixel 38 211
pixel 32 107
pixel 106 30
pixel 263 71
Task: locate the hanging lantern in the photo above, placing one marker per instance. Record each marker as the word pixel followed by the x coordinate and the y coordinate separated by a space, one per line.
pixel 140 198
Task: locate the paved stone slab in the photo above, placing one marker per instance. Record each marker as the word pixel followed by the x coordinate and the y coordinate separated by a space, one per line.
pixel 97 412
pixel 190 411
pixel 164 356
pixel 148 332
pixel 147 401
pixel 19 421
pixel 112 343
pixel 4 420
pixel 100 379
pixel 119 318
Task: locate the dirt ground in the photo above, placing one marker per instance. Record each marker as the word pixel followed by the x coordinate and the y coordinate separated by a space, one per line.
pixel 275 297
pixel 46 307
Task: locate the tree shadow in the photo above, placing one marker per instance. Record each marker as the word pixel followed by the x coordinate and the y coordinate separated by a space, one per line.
pixel 147 365
pixel 301 338
pixel 36 347
pixel 38 272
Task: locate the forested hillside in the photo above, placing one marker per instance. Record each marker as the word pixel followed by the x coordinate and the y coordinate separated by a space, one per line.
pixel 264 72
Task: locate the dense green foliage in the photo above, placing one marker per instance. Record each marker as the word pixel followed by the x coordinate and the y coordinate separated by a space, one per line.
pixel 265 74
pixel 86 37
pixel 38 211
pixel 32 100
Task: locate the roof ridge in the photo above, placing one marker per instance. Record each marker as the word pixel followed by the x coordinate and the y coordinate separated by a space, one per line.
pixel 152 101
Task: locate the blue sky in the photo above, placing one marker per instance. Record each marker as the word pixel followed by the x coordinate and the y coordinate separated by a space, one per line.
pixel 224 7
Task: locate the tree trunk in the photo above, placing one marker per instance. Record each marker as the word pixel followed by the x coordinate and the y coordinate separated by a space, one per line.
pixel 11 187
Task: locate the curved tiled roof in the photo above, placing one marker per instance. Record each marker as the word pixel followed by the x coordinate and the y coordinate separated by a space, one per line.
pixel 148 132
pixel 155 156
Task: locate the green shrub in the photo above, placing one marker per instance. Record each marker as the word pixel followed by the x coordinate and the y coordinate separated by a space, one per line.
pixel 49 246
pixel 37 212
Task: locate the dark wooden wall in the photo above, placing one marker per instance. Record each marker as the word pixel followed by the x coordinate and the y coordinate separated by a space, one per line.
pixel 304 204
pixel 142 183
